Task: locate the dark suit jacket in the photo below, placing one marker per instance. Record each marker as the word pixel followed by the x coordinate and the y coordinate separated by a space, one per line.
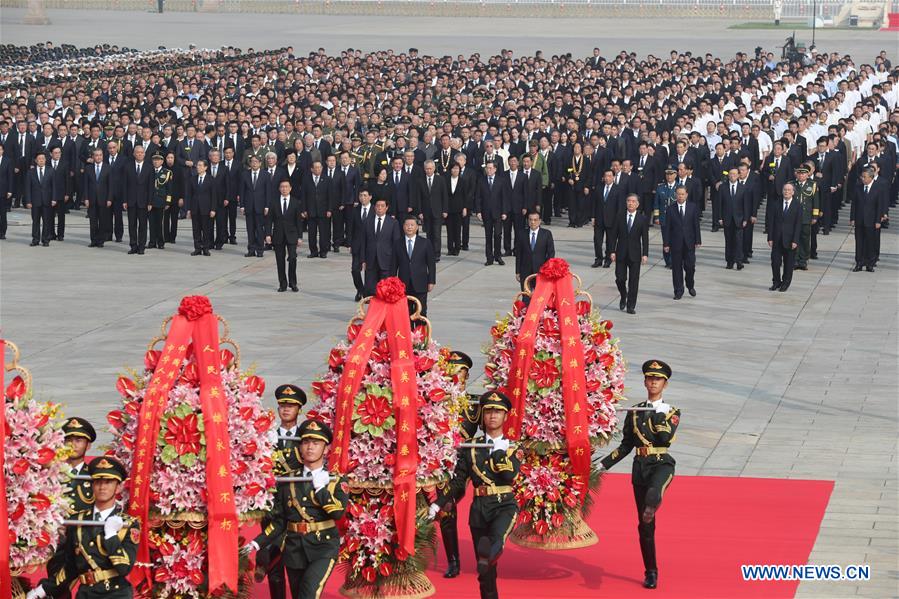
pixel 462 197
pixel 631 246
pixel 198 151
pixel 7 180
pixel 785 227
pixel 285 226
pixel 117 178
pixel 681 233
pixel 62 182
pixel 40 194
pixel 606 211
pixel 359 228
pixel 527 261
pixel 200 199
pixel 220 187
pixel 401 198
pixel 737 208
pixel 517 201
pixel 867 209
pixel 493 202
pixel 433 203
pixel 94 191
pixel 317 199
pixel 254 199
pixel 533 189
pixel 379 251
pixel 419 270
pixel 233 180
pixel 139 190
pixel 782 175
pixel 351 184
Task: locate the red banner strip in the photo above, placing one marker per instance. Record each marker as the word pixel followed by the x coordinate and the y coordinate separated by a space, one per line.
pixel 5 576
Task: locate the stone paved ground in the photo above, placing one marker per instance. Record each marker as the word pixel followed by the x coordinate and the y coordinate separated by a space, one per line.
pixel 794 385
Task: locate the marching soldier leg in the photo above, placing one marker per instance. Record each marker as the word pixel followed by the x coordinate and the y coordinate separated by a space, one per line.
pixel 276 574
pixel 313 579
pixel 449 531
pixel 487 579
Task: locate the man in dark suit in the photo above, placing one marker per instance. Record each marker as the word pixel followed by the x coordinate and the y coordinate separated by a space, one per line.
pixel 362 216
pixel 416 263
pixel 97 198
pixel 516 221
pixel 254 206
pixel 752 188
pixel 735 208
pixel 492 207
pixel 23 147
pixel 609 204
pixel 778 172
pixel 284 217
pixel 681 238
pixel 335 178
pixel 432 206
pixel 218 174
pixel 692 184
pixel 630 250
pixel 399 182
pixel 381 234
pixel 234 173
pixel 62 191
pixel 826 172
pixel 534 249
pixel 39 197
pixel 348 197
pixel 7 188
pixel 869 204
pixel 139 183
pixel 200 197
pixel 117 167
pixel 783 239
pixel 318 204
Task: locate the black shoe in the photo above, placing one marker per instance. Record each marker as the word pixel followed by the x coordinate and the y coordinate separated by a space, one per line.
pixel 92 245
pixel 483 551
pixel 607 264
pixel 774 287
pixel 249 255
pixel 437 259
pixel 312 255
pixel 869 268
pixel 45 243
pixel 714 229
pixel 161 246
pixel 196 253
pixel 34 243
pixel 596 264
pixel 2 237
pixel 801 267
pixel 622 304
pixel 488 263
pixel 784 287
pixel 729 267
pixel 358 297
pixel 132 251
pixel 826 232
pixel 268 246
pixel 739 266
pixel 259 254
pixel 464 249
pixel 631 311
pixel 99 245
pixel 500 261
pixel 692 291
pixel 152 246
pixel 452 569
pixel 651 580
pixel 232 241
pixel 217 246
pixel 118 240
pixel 294 288
pixel 282 289
pixel 140 252
pixel 677 296
pixel 507 253
pixel 746 260
pixel 206 253
pixel 58 238
pixel 814 256
pixel 336 249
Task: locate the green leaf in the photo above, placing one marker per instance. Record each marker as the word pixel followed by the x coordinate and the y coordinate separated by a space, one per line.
pixel 188 460
pixel 168 454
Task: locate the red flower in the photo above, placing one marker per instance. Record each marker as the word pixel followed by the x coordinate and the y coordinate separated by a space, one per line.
pixel 190 375
pixel 544 372
pixel 600 337
pixel 16 388
pixel 255 385
pixel 165 548
pixel 541 527
pixel 116 419
pixel 385 569
pixel 226 357
pixel 132 408
pixel 590 356
pixel 323 388
pixel 183 434
pixel 195 306
pixel 238 467
pixel 550 327
pixel 336 358
pixel 17 513
pixel 607 360
pixel 352 331
pixel 369 573
pixel 43 539
pixel 249 448
pixel 423 363
pixel 20 467
pixel 40 502
pixel 518 307
pixel 525 517
pixel 253 489
pixel 570 500
pixel 45 455
pixel 554 269
pixel 606 324
pixel 161 575
pixel 390 290
pixel 151 359
pixel 607 394
pixel 583 308
pixel 374 410
pixel 197 577
pixel 593 385
pixel 557 520
pixel 400 553
pixel 41 421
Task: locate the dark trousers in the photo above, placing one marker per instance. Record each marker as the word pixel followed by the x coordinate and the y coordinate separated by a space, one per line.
pixel 773 202
pixel 319 226
pixel 276 574
pixel 231 211
pixel 683 266
pixel 286 260
pixel 356 272
pixel 453 233
pixel 202 226
pixel 748 231
pixel 58 220
pixel 813 243
pixel 5 204
pixel 170 223
pixel 137 227
pixel 433 226
pixel 255 232
pixel 466 230
pixel 422 299
pixel 836 202
pixel 600 231
pixel 627 277
pixel 41 223
pixel 449 532
pixel 117 227
pixel 781 256
pixel 866 246
pixel 716 206
pixel 548 196
pixel 221 227
pixel 493 232
pixel 373 274
pixel 649 487
pixel 733 243
pixel 338 226
pixel 309 582
pixel 496 530
pixel 805 245
pixel 826 217
pixel 97 217
pixel 154 217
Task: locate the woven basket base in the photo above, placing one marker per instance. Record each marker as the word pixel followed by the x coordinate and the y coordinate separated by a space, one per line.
pixel 417 586
pixel 582 536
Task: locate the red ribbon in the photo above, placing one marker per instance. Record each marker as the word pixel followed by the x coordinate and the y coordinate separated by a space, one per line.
pixel 554 282
pixel 196 321
pixel 5 576
pixel 388 309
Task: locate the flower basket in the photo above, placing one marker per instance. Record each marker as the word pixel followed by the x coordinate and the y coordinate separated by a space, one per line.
pixel 382 554
pixel 34 473
pixel 177 531
pixel 555 353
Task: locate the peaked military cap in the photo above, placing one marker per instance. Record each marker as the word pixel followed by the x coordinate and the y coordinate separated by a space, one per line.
pixel 313 429
pixel 79 427
pixel 290 394
pixel 460 358
pixel 107 467
pixel 494 400
pixel 656 368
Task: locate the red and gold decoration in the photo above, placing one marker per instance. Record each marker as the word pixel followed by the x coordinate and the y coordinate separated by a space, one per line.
pixel 564 373
pixel 193 428
pixel 33 485
pixel 393 403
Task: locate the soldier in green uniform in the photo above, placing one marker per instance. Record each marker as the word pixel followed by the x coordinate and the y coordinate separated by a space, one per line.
pixel 287 459
pixel 79 436
pixel 98 557
pixel 367 158
pixel 256 149
pixel 649 433
pixel 492 471
pixel 302 521
pixel 470 419
pixel 807 192
pixel 665 196
pixel 160 201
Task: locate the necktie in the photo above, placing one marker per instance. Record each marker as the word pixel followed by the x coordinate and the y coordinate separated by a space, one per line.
pixel 255 173
pixel 490 182
pixel 138 169
pixel 396 178
pixel 271 172
pixel 866 189
pixel 214 168
pixel 786 206
pixel 98 516
pixel 409 250
pixel 605 193
pixel 430 180
pixel 22 143
pixel 190 144
pixel 533 239
pixel 40 175
pixel 642 161
pixel 111 160
pixel 55 163
pixel 630 221
pixel 513 178
pixel 315 180
pixel 201 180
pixel 681 210
pixel 283 205
pixel 364 213
pixel 733 189
pixel 776 163
pixel 345 169
pixel 331 172
pixel 378 228
pixel 98 172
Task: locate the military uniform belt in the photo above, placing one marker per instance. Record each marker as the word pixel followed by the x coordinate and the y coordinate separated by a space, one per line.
pixel 484 490
pixel 645 451
pixel 307 527
pixel 92 577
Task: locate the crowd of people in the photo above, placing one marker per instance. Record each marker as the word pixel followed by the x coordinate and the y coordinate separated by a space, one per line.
pixel 363 151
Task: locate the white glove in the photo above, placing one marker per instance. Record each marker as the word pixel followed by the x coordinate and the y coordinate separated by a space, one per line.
pixel 320 479
pixel 500 445
pixel 249 548
pixel 433 511
pixel 37 592
pixel 112 526
pixel 661 407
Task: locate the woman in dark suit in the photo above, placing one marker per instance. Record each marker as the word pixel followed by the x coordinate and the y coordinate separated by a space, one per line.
pixel 458 204
pixel 379 189
pixel 170 216
pixel 578 179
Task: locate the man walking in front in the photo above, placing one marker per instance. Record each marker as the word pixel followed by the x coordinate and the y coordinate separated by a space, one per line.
pixel 783 238
pixel 630 243
pixel 681 238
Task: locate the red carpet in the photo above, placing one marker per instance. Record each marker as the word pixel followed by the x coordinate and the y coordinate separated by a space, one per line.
pixel 707 527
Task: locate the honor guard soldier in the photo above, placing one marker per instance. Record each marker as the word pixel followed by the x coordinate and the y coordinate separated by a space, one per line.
pixel 807 193
pixel 287 459
pixel 98 557
pixel 470 419
pixel 79 436
pixel 303 519
pixel 665 196
pixel 160 201
pixel 492 471
pixel 649 433
pixel 367 158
